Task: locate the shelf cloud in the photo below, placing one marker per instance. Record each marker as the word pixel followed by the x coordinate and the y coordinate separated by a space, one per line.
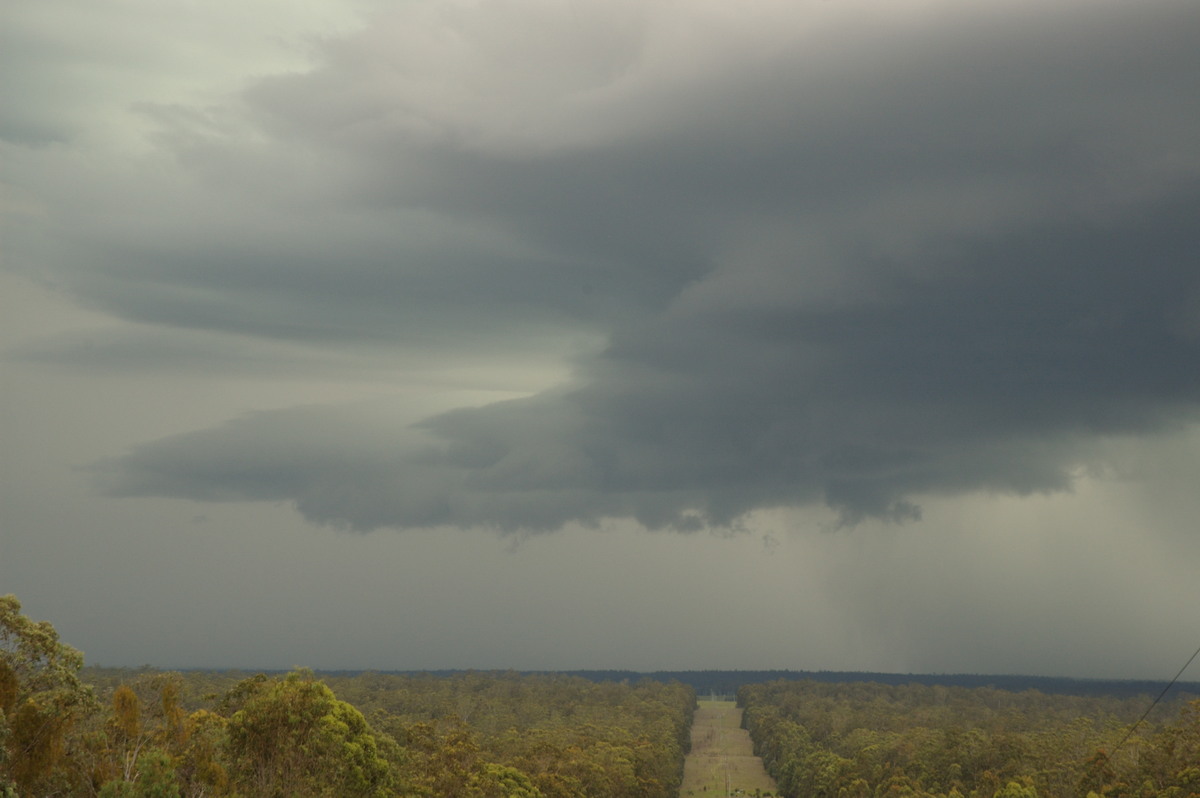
pixel 787 254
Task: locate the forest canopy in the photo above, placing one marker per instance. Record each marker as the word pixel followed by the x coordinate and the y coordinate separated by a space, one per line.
pixel 144 733
pixel 151 734
pixel 919 741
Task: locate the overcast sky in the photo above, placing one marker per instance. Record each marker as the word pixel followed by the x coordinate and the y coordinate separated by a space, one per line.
pixel 671 334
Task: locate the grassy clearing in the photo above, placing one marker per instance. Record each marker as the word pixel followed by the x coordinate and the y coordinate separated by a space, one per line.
pixel 722 760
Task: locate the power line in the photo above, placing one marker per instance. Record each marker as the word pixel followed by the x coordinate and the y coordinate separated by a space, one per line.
pixel 1154 703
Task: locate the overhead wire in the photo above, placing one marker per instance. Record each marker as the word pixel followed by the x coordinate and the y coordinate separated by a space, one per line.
pixel 1154 703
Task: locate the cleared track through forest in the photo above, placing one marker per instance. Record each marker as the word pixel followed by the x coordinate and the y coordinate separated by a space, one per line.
pixel 722 760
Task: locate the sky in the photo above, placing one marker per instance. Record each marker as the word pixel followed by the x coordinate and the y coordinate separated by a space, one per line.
pixel 638 334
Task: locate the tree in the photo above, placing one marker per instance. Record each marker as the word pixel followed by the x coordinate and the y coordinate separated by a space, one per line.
pixel 146 717
pixel 199 765
pixel 445 761
pixel 156 779
pixel 293 738
pixel 41 697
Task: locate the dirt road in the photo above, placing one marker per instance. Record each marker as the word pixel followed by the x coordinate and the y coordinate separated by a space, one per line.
pixel 722 760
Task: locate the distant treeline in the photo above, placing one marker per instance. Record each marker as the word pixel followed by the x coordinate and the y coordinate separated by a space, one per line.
pixel 728 682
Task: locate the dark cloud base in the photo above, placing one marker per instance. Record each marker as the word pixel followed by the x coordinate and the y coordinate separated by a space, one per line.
pixel 996 373
pixel 951 258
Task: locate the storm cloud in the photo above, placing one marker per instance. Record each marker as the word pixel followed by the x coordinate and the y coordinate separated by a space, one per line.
pixel 858 254
pixel 273 272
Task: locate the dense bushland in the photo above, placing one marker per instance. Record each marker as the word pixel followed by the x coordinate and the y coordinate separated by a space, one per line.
pixel 884 741
pixel 147 734
pixel 567 735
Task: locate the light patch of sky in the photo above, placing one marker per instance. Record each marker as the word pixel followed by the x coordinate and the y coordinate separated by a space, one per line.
pixel 116 56
pixel 117 408
pixel 1059 583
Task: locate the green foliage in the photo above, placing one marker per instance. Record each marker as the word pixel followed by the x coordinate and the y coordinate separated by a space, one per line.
pixel 476 735
pixel 199 761
pixel 509 782
pixel 145 718
pixel 876 741
pixel 1015 790
pixel 156 779
pixel 495 735
pixel 41 699
pixel 570 737
pixel 295 738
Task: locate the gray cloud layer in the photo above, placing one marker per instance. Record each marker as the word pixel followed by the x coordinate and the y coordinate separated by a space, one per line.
pixel 845 253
